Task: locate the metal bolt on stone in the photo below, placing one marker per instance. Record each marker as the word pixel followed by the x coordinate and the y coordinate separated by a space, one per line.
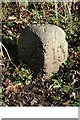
pixel 43 48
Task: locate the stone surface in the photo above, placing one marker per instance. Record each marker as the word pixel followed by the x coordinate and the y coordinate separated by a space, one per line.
pixel 43 48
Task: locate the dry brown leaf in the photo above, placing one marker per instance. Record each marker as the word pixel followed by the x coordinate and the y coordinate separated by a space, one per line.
pixel 13 88
pixel 12 18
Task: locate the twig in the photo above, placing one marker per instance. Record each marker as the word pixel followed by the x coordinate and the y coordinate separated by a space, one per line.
pixel 1 45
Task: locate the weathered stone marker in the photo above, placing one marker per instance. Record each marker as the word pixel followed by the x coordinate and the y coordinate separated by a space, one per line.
pixel 43 48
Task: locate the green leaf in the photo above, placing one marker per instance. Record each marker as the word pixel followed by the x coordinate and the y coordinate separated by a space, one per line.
pixel 78 48
pixel 66 88
pixel 18 82
pixel 56 98
pixel 10 24
pixel 22 69
pixel 69 62
pixel 17 70
pixel 0 90
pixel 6 38
pixel 57 83
pixel 27 82
pixel 10 37
pixel 24 3
pixel 5 1
pixel 30 77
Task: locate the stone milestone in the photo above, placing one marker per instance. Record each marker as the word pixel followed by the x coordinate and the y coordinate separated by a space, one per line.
pixel 43 48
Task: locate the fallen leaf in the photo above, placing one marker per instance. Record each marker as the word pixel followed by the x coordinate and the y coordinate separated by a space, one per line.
pixel 12 18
